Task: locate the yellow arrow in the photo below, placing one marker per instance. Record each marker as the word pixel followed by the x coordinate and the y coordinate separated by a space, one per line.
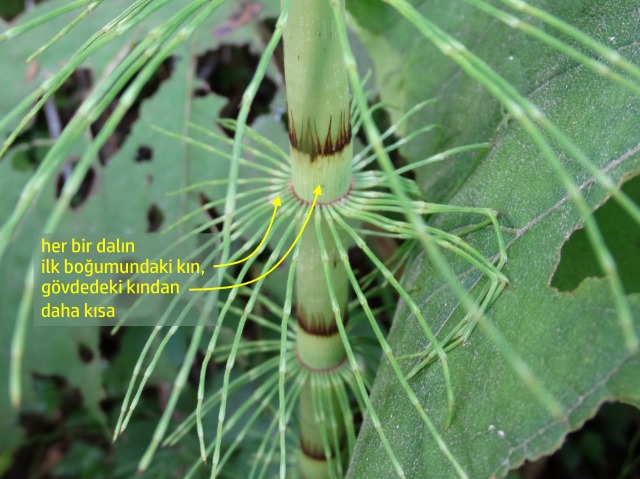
pixel 276 203
pixel 317 192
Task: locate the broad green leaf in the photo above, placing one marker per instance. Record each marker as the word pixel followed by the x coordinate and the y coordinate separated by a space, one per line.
pixel 572 341
pixel 50 351
pixel 23 78
pixel 125 188
pixel 409 69
pixel 119 199
pixel 623 239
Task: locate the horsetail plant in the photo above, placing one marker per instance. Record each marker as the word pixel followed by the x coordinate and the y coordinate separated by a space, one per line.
pixel 325 366
pixel 328 198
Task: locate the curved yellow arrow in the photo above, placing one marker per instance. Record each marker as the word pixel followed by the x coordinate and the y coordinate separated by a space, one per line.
pixel 317 192
pixel 276 203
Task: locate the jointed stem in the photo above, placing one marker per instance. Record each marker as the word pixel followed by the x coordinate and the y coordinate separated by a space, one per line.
pixel 320 155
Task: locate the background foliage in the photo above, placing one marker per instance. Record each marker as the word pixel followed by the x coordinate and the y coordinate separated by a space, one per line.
pixel 557 312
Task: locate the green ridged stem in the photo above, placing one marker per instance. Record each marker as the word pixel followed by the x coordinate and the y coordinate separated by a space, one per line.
pixel 318 351
pixel 319 109
pixel 318 101
pixel 313 303
pixel 332 173
pixel 324 352
pixel 313 468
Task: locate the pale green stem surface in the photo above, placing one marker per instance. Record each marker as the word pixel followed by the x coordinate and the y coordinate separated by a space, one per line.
pixel 321 154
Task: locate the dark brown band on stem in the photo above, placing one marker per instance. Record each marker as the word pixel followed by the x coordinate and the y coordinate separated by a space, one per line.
pixel 317 456
pixel 318 328
pixel 308 140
